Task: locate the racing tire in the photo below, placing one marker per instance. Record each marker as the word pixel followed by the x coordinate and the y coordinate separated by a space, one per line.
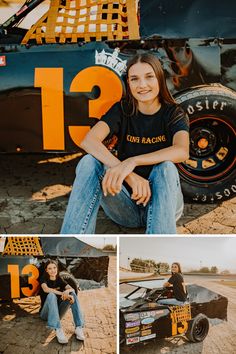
pixel 70 280
pixel 209 175
pixel 198 329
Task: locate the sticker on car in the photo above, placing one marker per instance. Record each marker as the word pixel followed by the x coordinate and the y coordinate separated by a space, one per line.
pixel 150 336
pixel 132 340
pixel 132 324
pixel 148 320
pixel 132 330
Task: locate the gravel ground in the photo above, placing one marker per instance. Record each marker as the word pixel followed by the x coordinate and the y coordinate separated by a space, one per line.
pixel 34 190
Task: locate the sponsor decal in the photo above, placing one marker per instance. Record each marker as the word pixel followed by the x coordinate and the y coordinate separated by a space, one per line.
pixel 3 61
pixel 132 324
pixel 146 333
pixel 148 337
pixel 206 104
pixel 147 314
pixel 111 60
pixel 147 326
pixel 23 8
pixel 133 334
pixel 132 330
pixel 159 312
pixel 132 340
pixel 148 320
pixel 131 316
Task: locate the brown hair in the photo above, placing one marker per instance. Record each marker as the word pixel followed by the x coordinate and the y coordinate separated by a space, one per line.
pixel 50 261
pixel 164 94
pixel 179 266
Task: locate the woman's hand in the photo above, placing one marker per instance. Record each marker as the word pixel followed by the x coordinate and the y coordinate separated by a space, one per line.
pixel 71 299
pixel 66 294
pixel 114 177
pixel 141 190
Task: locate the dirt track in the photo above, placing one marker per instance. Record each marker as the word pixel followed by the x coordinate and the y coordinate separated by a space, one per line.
pixel 23 332
pixel 34 192
pixel 220 340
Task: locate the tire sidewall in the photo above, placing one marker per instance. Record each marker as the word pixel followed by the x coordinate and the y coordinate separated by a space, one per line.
pixel 198 319
pixel 217 102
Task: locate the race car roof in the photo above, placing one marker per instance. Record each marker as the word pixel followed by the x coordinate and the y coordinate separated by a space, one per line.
pixel 188 18
pixel 149 284
pixel 69 247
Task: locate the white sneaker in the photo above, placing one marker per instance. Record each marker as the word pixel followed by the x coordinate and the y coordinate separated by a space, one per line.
pixel 61 338
pixel 79 333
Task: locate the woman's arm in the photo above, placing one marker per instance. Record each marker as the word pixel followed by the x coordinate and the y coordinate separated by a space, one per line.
pixel 167 284
pixel 92 144
pixel 178 152
pixel 48 290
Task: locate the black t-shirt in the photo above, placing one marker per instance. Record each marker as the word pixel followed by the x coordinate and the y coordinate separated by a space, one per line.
pixel 177 281
pixel 58 284
pixel 141 134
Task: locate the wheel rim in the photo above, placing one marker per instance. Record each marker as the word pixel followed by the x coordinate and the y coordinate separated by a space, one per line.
pixel 212 150
pixel 201 329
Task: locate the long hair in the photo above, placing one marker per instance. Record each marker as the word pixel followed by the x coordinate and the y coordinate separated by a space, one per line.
pixel 164 95
pixel 50 261
pixel 179 266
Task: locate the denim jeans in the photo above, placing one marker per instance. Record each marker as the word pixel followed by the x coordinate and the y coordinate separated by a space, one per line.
pixel 171 301
pixel 52 312
pixel 159 216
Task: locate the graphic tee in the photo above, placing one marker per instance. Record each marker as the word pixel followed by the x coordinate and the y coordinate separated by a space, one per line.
pixel 141 134
pixel 58 284
pixel 177 281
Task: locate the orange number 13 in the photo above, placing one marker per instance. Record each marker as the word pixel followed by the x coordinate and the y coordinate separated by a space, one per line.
pixel 51 82
pixel 33 272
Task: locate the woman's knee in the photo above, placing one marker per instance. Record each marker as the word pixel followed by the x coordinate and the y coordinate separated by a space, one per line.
pixel 166 169
pixel 88 163
pixel 51 297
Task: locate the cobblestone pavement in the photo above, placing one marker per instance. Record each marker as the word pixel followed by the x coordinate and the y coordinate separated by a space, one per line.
pixel 23 332
pixel 34 191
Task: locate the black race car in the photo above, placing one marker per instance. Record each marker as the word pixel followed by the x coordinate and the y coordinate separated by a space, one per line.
pixel 23 258
pixel 142 319
pixel 56 81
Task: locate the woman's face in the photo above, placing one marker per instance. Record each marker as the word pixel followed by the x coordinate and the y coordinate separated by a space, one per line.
pixel 51 270
pixel 143 83
pixel 174 268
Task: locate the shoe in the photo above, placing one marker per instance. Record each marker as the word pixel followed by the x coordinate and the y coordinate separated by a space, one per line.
pixel 61 338
pixel 79 333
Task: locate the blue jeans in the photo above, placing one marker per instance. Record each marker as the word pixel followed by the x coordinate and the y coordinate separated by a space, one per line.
pixel 52 313
pixel 171 301
pixel 159 216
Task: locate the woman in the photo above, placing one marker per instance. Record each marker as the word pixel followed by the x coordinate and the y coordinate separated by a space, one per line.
pixel 140 187
pixel 179 289
pixel 56 297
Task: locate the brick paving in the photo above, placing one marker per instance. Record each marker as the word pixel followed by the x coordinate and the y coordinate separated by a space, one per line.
pixel 34 191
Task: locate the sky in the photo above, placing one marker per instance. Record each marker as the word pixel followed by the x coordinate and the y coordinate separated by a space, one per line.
pixel 191 252
pixel 99 241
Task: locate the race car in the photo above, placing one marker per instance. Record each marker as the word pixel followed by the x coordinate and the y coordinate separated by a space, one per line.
pixel 23 258
pixel 60 76
pixel 143 319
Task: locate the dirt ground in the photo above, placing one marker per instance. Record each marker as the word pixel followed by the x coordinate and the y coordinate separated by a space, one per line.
pixel 34 190
pixel 23 332
pixel 221 338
